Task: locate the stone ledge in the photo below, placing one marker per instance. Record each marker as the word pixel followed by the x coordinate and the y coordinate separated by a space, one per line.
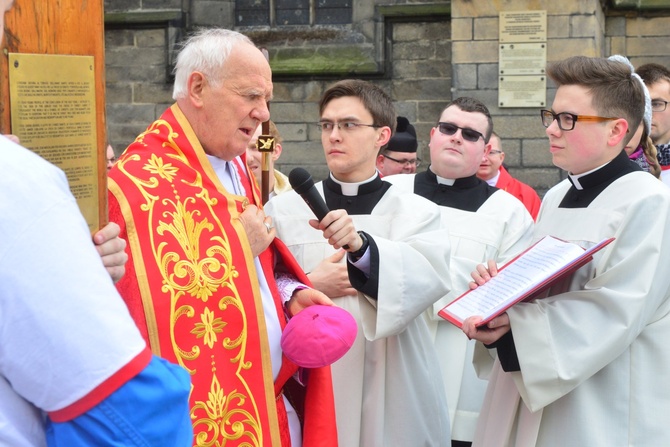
pixel 144 17
pixel 640 5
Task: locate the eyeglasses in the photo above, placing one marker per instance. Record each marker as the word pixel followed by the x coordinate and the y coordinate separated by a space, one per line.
pixel 346 126
pixel 658 105
pixel 495 152
pixel 414 162
pixel 567 121
pixel 467 133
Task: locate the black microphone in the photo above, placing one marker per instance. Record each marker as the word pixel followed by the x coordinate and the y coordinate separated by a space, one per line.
pixel 302 183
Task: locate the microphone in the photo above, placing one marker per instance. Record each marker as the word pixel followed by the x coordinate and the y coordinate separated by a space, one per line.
pixel 302 183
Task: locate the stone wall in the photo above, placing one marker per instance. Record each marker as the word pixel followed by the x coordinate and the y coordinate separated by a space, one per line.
pixel 422 53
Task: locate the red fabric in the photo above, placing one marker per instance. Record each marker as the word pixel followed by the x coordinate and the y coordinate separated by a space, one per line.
pixel 229 384
pixel 521 191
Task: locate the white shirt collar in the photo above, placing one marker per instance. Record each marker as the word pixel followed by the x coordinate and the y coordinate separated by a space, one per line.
pixel 493 180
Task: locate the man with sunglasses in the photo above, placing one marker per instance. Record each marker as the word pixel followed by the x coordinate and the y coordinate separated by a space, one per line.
pixel 587 364
pixel 399 155
pixel 387 388
pixel 484 222
pixel 657 79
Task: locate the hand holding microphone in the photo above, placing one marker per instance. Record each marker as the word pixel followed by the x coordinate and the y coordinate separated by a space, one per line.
pixel 337 225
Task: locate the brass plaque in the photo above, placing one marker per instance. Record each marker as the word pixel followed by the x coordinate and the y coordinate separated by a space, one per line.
pixel 53 113
pixel 522 91
pixel 523 26
pixel 522 58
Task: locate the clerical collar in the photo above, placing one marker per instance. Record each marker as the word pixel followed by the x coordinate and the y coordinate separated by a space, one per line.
pixel 461 183
pixel 588 186
pixel 441 180
pixel 594 177
pixel 351 189
pixel 574 178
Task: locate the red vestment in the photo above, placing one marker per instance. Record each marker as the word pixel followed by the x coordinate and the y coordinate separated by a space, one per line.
pixel 192 288
pixel 520 190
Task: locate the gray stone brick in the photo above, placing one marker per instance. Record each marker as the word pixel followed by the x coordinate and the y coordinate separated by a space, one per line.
pixel 420 50
pixel 134 55
pixel 131 114
pixel 151 38
pixel 152 93
pixel 465 76
pixel 118 92
pixel 615 26
pixel 421 89
pixel 487 76
pixel 213 13
pixel 536 152
pixel 115 38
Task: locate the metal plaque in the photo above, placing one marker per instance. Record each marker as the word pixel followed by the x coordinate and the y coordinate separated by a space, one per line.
pixel 53 113
pixel 523 26
pixel 522 58
pixel 522 91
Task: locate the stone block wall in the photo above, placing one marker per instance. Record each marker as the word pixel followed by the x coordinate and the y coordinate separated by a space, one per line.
pixel 423 53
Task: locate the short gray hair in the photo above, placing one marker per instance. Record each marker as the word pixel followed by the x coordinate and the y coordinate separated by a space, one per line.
pixel 205 51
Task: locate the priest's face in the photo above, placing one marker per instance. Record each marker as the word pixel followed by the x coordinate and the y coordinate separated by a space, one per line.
pixel 350 150
pixel 231 110
pixel 587 146
pixel 458 156
pixel 492 160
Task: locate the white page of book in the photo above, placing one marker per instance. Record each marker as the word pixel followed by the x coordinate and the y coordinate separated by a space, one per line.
pixel 533 267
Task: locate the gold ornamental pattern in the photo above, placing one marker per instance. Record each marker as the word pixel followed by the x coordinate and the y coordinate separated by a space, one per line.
pixel 196 266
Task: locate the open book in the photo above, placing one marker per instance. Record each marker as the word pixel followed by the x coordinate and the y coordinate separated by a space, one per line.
pixel 523 278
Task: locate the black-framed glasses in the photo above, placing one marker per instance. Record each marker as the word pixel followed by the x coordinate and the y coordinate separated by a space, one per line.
pixel 467 133
pixel 409 162
pixel 658 105
pixel 566 121
pixel 346 126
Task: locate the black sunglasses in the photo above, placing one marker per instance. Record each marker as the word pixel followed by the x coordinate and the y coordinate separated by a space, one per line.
pixel 468 134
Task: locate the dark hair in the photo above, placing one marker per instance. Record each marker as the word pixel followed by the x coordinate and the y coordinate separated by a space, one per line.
pixel 374 99
pixel 652 73
pixel 614 91
pixel 472 105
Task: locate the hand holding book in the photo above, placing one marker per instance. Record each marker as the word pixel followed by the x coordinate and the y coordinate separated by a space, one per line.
pixel 523 278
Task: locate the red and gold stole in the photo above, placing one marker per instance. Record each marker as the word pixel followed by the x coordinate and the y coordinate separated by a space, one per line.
pixel 197 282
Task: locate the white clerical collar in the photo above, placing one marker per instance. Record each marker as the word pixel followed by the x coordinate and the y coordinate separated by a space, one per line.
pixel 574 178
pixel 445 181
pixel 351 189
pixel 493 180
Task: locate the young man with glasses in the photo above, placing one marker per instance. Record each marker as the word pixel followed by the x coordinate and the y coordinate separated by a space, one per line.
pixel 587 364
pixel 492 171
pixel 484 222
pixel 388 389
pixel 399 155
pixel 657 79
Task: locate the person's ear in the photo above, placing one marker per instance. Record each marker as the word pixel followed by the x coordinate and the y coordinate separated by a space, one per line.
pixel 617 132
pixel 380 162
pixel 195 85
pixel 277 152
pixel 384 136
pixel 502 157
pixel 487 149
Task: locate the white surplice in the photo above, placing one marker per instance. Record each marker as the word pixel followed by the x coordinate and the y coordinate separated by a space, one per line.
pixel 388 387
pixel 500 229
pixel 594 360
